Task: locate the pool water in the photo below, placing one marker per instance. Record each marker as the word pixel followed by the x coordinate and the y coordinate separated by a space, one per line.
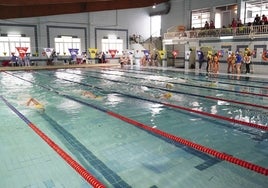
pixel 223 113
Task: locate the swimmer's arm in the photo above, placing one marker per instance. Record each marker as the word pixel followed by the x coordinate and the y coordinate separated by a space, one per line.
pixel 29 101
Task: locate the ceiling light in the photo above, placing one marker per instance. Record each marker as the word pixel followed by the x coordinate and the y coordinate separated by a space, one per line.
pixel 14 35
pixel 226 37
pixel 154 6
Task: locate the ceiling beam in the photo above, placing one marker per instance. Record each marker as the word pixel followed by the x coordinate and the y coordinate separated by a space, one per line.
pixel 36 10
pixel 43 2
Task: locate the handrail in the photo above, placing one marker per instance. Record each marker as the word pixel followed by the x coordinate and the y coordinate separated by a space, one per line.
pixel 251 31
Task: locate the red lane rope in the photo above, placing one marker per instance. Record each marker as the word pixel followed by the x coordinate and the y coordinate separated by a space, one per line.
pixel 75 165
pixel 212 98
pixel 237 102
pixel 257 126
pixel 249 93
pixel 204 149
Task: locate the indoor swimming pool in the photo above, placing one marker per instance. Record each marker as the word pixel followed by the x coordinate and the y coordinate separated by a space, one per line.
pixel 143 128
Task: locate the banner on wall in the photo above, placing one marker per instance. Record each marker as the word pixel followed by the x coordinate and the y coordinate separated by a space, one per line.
pixel 73 52
pixel 93 52
pixel 22 51
pixel 112 52
pixel 221 53
pixel 162 53
pixel 146 52
pixel 175 53
pixel 48 51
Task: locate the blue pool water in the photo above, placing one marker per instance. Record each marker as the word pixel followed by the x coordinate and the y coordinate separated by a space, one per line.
pixel 120 154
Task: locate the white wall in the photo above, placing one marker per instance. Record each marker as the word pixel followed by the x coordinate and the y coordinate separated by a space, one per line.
pixel 135 21
pixel 180 12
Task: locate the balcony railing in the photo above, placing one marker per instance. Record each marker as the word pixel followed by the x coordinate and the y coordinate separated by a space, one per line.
pixel 251 31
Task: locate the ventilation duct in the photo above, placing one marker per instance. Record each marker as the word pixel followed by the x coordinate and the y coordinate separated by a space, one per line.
pixel 160 9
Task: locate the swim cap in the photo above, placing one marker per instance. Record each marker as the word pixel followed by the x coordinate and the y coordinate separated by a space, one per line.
pixel 39 106
pixel 169 85
pixel 167 95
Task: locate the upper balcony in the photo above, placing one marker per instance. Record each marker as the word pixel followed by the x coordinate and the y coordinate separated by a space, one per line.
pixel 178 33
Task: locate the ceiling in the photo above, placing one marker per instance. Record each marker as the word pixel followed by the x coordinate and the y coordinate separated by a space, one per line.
pixel 35 8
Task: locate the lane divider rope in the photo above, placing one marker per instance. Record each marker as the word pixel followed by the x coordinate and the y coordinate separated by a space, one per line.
pixel 75 165
pixel 198 147
pixel 150 72
pixel 249 124
pixel 206 87
pixel 180 92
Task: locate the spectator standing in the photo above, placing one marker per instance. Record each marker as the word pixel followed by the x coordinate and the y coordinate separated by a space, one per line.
pixel 206 25
pixel 247 60
pixel 211 24
pixel 257 20
pixel 264 20
pixel 234 26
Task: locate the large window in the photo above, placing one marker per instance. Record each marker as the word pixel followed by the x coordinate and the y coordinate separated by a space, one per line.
pixel 156 26
pixel 63 43
pixel 199 18
pixel 255 7
pixel 8 45
pixel 112 43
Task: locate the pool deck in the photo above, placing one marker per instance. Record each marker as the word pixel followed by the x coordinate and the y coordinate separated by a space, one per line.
pixel 68 66
pixel 57 67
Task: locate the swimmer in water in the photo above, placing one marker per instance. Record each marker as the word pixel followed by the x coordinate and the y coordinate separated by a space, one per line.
pixel 169 86
pixel 165 96
pixel 90 95
pixel 36 104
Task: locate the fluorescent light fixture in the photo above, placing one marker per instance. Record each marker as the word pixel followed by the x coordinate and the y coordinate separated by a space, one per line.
pixel 67 37
pixel 112 37
pixel 226 37
pixel 168 41
pixel 14 35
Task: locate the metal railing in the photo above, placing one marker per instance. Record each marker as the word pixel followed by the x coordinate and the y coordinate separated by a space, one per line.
pixel 251 31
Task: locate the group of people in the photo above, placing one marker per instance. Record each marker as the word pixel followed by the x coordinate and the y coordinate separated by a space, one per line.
pixel 235 61
pixel 209 25
pixel 260 20
pixel 150 60
pixel 102 57
pixel 20 61
pixel 213 65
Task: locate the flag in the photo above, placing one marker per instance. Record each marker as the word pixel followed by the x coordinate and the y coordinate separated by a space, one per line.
pixel 93 52
pixel 73 52
pixel 175 53
pixel 22 51
pixel 48 51
pixel 112 52
pixel 162 53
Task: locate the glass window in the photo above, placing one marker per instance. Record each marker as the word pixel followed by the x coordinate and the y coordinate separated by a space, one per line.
pixel 199 18
pixel 8 45
pixel 155 26
pixel 62 44
pixel 112 44
pixel 255 7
